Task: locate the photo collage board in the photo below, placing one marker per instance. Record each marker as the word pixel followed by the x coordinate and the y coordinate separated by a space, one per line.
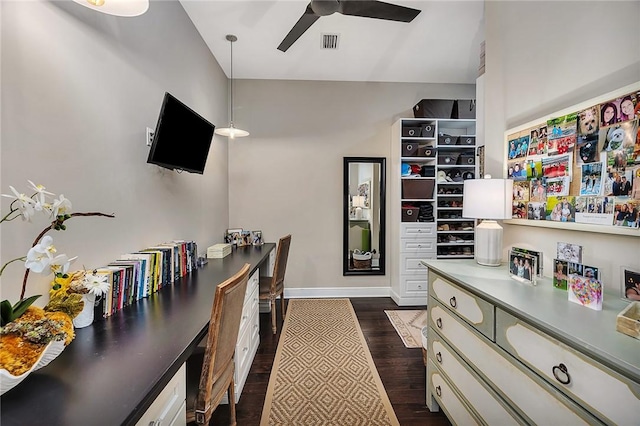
pixel 582 167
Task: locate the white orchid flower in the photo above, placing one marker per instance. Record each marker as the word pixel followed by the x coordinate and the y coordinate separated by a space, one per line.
pixel 61 206
pixel 25 204
pixel 40 192
pixel 61 263
pixel 96 284
pixel 39 256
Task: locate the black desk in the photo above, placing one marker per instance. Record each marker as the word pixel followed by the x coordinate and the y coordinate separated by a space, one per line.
pixel 114 369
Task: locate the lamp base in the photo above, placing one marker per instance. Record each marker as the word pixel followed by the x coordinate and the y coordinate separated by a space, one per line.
pixel 488 243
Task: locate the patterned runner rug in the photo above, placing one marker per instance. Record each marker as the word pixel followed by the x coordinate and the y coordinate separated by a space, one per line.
pixel 409 325
pixel 323 373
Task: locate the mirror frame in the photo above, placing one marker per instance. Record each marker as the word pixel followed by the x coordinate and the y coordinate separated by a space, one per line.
pixel 381 161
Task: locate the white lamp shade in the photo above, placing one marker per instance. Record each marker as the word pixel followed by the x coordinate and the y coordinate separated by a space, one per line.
pixel 357 201
pixel 127 8
pixel 487 199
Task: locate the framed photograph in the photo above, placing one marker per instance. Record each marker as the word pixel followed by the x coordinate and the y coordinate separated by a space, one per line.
pixel 233 236
pixel 522 267
pixel 244 239
pixel 560 271
pixel 364 190
pixel 256 238
pixel 537 254
pixel 630 283
pixel 569 252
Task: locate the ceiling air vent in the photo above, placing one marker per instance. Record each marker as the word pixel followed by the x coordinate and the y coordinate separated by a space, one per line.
pixel 330 41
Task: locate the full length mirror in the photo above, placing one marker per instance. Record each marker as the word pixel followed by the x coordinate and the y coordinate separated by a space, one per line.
pixel 363 251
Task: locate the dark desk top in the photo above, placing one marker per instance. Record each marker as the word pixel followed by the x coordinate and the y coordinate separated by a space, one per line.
pixel 114 369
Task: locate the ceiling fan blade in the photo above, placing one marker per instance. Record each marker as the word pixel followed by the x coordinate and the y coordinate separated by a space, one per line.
pixel 303 24
pixel 378 9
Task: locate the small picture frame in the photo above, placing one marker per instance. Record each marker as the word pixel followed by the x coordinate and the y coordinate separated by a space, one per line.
pixel 233 236
pixel 560 273
pixel 522 267
pixel 537 254
pixel 256 238
pixel 569 252
pixel 245 239
pixel 630 287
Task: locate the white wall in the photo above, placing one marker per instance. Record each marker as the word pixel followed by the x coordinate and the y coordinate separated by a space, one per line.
pixel 78 90
pixel 571 52
pixel 287 176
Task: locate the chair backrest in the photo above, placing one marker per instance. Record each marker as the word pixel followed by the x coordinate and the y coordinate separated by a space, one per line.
pixel 282 254
pixel 222 336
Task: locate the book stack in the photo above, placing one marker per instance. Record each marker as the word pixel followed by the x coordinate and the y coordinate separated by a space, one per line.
pixel 218 251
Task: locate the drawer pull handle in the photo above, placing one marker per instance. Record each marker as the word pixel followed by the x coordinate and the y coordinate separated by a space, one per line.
pixel 453 302
pixel 439 323
pixel 438 391
pixel 563 371
pixel 439 357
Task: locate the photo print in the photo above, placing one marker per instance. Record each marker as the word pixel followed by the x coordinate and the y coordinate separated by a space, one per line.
pixel 587 151
pixel 534 168
pixel 522 267
pixel 561 209
pixel 557 186
pixel 518 147
pixel 620 136
pixel 591 180
pixel 538 141
pixel 625 212
pixel 538 191
pixel 536 211
pixel 521 191
pixel 594 210
pixel 538 257
pixel 256 238
pixel 624 153
pixel 569 252
pixel 556 166
pixel 585 291
pixel 629 107
pixel 609 113
pixel 562 133
pixel 519 210
pixel 233 236
pixel 588 124
pixel 517 170
pixel 630 283
pixel 560 273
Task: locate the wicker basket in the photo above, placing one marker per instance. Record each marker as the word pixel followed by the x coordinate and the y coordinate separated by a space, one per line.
pixel 361 260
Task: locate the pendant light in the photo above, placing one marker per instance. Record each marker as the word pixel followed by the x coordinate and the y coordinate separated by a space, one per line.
pixel 127 8
pixel 231 131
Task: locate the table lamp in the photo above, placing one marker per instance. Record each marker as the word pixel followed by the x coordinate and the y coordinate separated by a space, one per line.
pixel 357 201
pixel 488 199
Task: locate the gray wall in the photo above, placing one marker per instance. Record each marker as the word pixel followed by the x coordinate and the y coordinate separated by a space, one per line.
pixel 78 90
pixel 287 176
pixel 572 52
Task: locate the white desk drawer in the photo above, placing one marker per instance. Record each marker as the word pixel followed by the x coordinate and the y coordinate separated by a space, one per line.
pixel 252 283
pixel 456 410
pixel 486 403
pixel 608 394
pixel 414 283
pixel 535 400
pixel 477 312
pixel 418 230
pixel 170 404
pixel 410 264
pixel 418 246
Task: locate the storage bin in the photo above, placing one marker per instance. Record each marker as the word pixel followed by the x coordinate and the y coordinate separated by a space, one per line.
pixel 448 158
pixel 410 214
pixel 447 140
pixel 428 130
pixel 434 108
pixel 411 132
pixel 464 109
pixel 417 188
pixel 467 140
pixel 428 171
pixel 409 149
pixel 467 159
pixel 426 151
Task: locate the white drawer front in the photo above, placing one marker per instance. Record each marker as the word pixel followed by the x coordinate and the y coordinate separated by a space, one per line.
pixel 415 283
pixel 418 246
pixel 418 230
pixel 252 283
pixel 475 311
pixel 410 264
pixel 456 411
pixel 616 398
pixel 170 404
pixel 479 397
pixel 540 403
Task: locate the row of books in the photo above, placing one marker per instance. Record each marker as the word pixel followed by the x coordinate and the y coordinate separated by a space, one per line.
pixel 139 274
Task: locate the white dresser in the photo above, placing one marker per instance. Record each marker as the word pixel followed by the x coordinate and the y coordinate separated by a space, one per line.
pixel 417 242
pixel 503 352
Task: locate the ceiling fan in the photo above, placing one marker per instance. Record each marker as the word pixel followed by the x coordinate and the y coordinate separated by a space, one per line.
pixel 364 8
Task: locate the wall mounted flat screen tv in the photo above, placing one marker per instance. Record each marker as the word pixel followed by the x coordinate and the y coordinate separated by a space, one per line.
pixel 182 137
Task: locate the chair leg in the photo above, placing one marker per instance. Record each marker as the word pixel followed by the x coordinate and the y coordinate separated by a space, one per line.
pixel 273 315
pixel 232 402
pixel 284 312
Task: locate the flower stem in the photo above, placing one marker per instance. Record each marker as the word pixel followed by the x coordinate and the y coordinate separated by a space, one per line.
pixel 58 222
pixel 11 261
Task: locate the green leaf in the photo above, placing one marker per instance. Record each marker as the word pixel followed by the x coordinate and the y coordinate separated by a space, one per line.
pixel 6 312
pixel 20 307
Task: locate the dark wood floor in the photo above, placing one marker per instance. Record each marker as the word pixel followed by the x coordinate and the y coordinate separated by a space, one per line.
pixel 401 369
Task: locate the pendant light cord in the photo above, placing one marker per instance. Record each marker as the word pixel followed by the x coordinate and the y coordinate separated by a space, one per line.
pixel 231 81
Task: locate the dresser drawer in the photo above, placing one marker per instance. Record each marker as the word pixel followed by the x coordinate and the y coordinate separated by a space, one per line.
pixel 427 245
pixel 533 398
pixel 614 398
pixel 410 264
pixel 456 410
pixel 477 312
pixel 252 283
pixel 414 283
pixel 486 403
pixel 417 230
pixel 170 404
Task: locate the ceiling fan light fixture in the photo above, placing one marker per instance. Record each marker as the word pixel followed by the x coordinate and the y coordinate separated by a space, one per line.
pixel 231 132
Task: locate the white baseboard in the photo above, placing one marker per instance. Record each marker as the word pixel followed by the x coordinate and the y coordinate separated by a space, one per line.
pixel 336 292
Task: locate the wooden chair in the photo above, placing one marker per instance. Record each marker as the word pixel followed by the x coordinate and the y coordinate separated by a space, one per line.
pixel 210 372
pixel 272 287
